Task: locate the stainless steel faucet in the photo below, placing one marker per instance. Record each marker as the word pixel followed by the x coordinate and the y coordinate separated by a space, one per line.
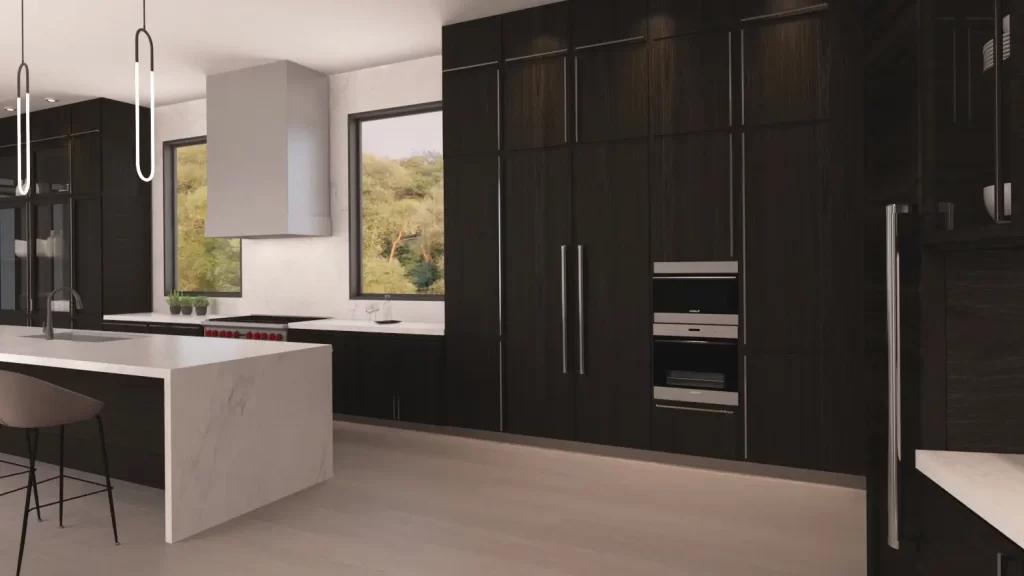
pixel 48 327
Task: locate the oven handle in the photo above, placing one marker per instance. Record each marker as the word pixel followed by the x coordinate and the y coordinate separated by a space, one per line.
pixel 724 277
pixel 565 313
pixel 709 342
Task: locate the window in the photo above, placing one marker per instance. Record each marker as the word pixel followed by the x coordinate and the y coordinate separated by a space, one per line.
pixel 397 195
pixel 193 263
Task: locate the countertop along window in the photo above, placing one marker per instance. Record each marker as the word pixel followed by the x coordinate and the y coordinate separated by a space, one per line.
pixel 397 195
pixel 193 263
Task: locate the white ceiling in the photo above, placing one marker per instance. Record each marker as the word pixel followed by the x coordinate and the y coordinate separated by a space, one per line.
pixel 84 48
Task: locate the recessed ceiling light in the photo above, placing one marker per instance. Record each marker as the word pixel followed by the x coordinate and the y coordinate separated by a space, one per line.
pixel 8 108
pixel 52 100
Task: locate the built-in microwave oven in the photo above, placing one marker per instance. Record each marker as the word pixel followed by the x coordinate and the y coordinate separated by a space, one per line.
pixel 696 293
pixel 696 363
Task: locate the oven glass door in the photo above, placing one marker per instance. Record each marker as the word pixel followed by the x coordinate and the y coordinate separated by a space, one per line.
pixel 710 365
pixel 683 298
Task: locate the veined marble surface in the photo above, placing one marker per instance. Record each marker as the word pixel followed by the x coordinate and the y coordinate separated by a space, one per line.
pixel 992 485
pixel 150 355
pixel 245 422
pixel 161 318
pixel 334 325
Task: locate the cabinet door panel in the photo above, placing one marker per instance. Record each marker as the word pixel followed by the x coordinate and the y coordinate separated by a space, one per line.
pixel 783 410
pixel 677 17
pixel 471 117
pixel 538 222
pixel 613 396
pixel 786 183
pixel 375 379
pixel 86 116
pixel 598 21
pixel 471 43
pixel 128 327
pixel 419 385
pixel 176 330
pixel 698 431
pixel 692 198
pixel 611 99
pixel 787 71
pixel 472 389
pixel 690 84
pixel 536 111
pixel 534 31
pixel 751 8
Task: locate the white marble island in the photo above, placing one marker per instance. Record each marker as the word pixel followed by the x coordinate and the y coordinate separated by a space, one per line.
pixel 245 423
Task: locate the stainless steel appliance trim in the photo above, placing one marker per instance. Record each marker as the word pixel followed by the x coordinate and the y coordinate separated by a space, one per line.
pixel 703 319
pixel 501 263
pixel 697 331
pixel 565 312
pixel 470 67
pixel 498 74
pixel 732 194
pixel 743 217
pixel 535 56
pixel 730 79
pixel 787 13
pixel 579 271
pixel 743 77
pixel 245 325
pixel 611 43
pixel 892 297
pixel 728 267
pixel 715 397
pixel 565 97
pixel 688 409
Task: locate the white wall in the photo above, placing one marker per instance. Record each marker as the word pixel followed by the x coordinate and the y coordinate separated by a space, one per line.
pixel 305 276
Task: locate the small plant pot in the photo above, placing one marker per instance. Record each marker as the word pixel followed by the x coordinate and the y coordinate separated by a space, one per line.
pixel 201 310
pixel 175 310
pixel 186 310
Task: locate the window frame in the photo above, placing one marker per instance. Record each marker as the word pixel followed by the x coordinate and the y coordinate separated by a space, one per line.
pixel 171 222
pixel 355 198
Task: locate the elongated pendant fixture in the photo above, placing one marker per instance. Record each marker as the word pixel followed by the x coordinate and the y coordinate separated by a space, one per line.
pixel 152 103
pixel 24 158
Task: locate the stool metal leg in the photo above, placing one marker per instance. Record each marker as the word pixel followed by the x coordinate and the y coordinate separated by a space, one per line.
pixel 106 472
pixel 28 501
pixel 61 481
pixel 33 450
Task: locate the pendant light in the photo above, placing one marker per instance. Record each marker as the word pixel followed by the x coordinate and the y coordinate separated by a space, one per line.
pixel 22 186
pixel 152 102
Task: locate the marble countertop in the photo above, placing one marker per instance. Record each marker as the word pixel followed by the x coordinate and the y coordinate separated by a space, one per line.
pixel 333 325
pixel 992 485
pixel 160 318
pixel 148 355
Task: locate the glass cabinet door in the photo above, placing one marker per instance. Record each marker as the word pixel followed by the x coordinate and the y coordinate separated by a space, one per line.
pixel 964 113
pixel 51 170
pixel 14 254
pixel 51 227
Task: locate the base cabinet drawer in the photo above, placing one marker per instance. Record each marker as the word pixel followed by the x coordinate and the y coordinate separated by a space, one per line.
pixel 709 431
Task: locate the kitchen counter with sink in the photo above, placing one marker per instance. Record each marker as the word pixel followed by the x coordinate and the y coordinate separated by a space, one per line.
pixel 244 423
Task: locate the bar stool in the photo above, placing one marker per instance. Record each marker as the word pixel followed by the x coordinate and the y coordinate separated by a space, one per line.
pixel 30 403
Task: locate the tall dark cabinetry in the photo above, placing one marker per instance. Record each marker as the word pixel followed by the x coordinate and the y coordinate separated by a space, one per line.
pixel 85 222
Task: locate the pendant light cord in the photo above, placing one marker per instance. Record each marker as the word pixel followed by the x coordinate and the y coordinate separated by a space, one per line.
pixel 143 14
pixel 22 31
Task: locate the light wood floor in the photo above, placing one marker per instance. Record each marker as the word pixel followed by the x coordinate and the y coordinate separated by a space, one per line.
pixel 413 503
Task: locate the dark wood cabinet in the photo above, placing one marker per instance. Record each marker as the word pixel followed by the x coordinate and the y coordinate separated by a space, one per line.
pixel 384 376
pixel 473 395
pixel 535 31
pixel 706 431
pixel 955 541
pixel 611 103
pixel 129 327
pixel 787 71
pixel 755 8
pixel 600 21
pixel 539 386
pixel 471 43
pixel 472 99
pixel 87 116
pixel 692 200
pixel 195 330
pixel 536 110
pixel 784 410
pixel 51 123
pixel 691 84
pixel 613 392
pixel 678 17
pixel 786 171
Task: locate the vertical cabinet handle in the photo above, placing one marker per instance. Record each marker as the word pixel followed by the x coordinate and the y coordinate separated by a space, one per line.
pixel 565 313
pixel 498 73
pixel 892 295
pixel 576 95
pixel 579 295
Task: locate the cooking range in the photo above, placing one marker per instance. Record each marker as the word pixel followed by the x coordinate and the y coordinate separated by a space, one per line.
pixel 270 328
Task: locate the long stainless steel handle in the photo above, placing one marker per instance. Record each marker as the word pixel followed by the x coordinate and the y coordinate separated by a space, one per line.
pixel 579 296
pixel 565 312
pixel 892 295
pixel 576 96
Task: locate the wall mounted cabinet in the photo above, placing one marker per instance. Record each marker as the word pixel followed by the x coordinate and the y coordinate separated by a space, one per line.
pixel 691 83
pixel 536 110
pixel 604 21
pixel 611 99
pixel 472 101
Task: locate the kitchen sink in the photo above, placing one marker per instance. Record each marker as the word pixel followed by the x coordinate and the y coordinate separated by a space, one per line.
pixel 77 337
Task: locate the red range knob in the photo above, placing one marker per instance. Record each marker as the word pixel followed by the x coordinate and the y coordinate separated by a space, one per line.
pixel 248 336
pixel 264 336
pixel 278 337
pixel 238 334
pixel 223 333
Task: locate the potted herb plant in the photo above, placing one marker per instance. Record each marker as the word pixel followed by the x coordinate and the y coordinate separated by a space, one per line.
pixel 186 306
pixel 174 302
pixel 201 303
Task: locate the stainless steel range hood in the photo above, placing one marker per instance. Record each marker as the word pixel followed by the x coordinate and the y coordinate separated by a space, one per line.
pixel 268 133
